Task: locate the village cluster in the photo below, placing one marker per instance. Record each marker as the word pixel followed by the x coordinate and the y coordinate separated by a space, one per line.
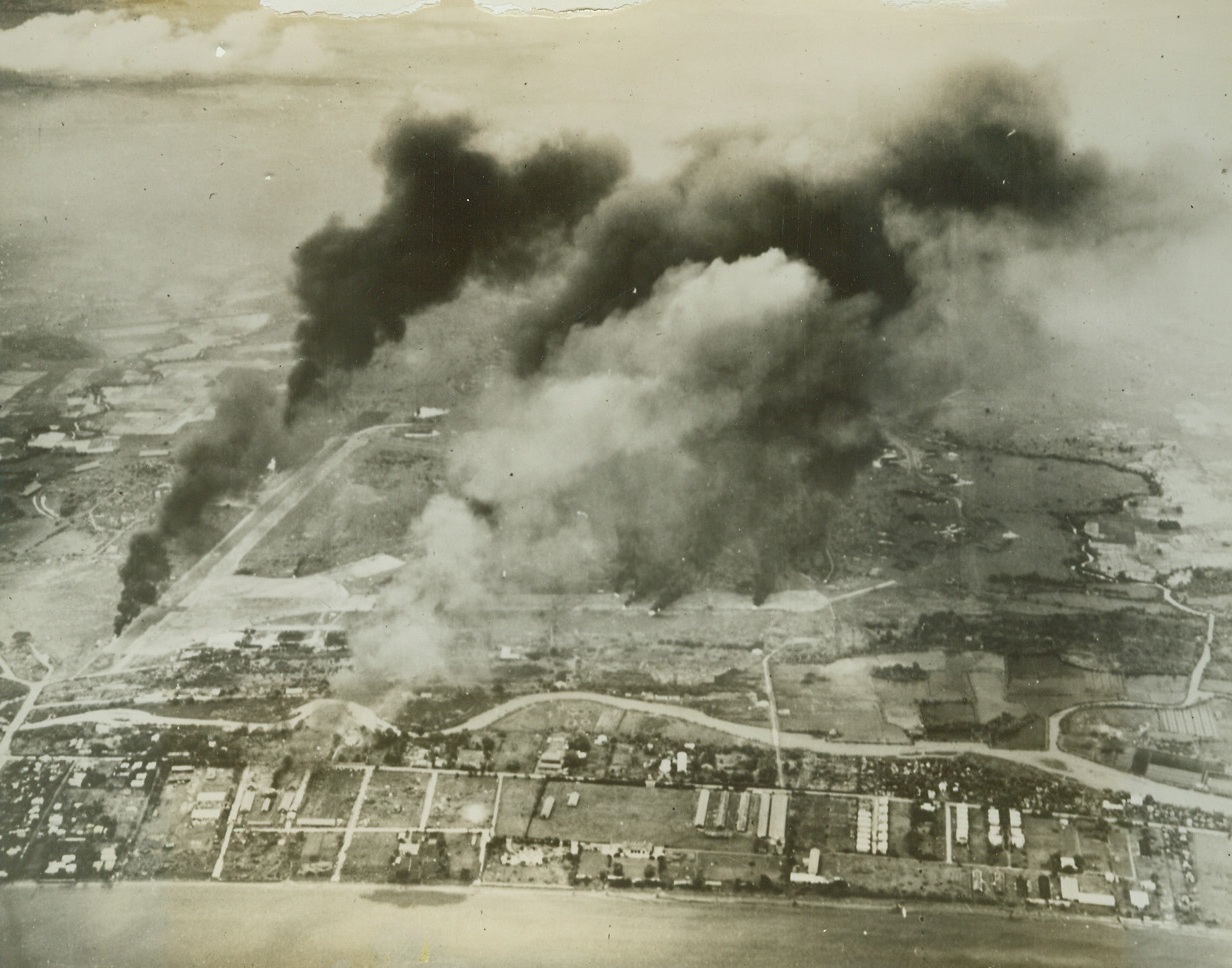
pixel 953 828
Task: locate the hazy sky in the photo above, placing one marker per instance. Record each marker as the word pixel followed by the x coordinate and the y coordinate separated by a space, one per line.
pixel 166 151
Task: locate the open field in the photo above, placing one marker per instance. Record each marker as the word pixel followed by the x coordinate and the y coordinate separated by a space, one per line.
pixel 1128 641
pixel 67 635
pixel 895 878
pixel 518 802
pixel 463 801
pixel 567 717
pixel 331 794
pixel 1213 860
pixel 527 727
pixel 616 814
pixel 394 798
pixel 825 822
pixel 364 508
pixel 811 701
pixel 370 857
pixel 886 697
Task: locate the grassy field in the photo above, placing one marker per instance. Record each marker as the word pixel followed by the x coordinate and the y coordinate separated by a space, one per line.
pixel 899 877
pixel 711 865
pixel 1044 684
pixel 394 798
pixel 614 814
pixel 518 801
pixel 566 716
pixel 463 801
pixel 331 793
pixel 828 823
pixel 817 703
pixel 369 857
pixel 1213 859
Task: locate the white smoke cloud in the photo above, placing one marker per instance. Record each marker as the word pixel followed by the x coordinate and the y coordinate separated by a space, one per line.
pixel 641 424
pixel 407 638
pixel 111 45
pixel 676 366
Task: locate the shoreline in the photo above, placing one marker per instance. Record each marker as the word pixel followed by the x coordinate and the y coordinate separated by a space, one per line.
pixel 155 924
pixel 916 908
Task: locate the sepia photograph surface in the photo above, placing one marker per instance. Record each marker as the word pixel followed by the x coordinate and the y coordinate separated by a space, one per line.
pixel 559 483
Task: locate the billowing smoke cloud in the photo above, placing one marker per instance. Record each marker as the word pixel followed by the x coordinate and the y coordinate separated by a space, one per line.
pixel 708 378
pixel 142 576
pixel 230 452
pixel 721 414
pixel 990 144
pixel 707 382
pixel 407 636
pixel 451 212
pixel 226 457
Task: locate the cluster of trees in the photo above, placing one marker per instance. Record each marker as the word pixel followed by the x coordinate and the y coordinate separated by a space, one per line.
pixel 1131 641
pixel 898 672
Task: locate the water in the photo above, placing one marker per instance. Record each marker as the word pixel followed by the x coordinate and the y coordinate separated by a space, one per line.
pixel 166 925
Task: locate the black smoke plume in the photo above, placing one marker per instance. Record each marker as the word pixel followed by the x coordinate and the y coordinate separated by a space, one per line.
pixel 707 382
pixel 226 457
pixel 451 212
pixel 144 572
pixel 991 145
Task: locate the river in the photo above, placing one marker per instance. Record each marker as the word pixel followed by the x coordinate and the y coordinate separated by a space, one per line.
pixel 168 925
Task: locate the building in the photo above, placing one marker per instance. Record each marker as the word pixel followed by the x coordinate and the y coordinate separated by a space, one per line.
pixel 1072 891
pixel 962 825
pixel 763 814
pixel 778 817
pixel 873 825
pixel 703 806
pixel 552 759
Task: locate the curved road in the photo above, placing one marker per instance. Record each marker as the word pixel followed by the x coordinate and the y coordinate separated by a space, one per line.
pixel 33 692
pixel 228 553
pixel 1052 761
pixel 1192 694
pixel 114 716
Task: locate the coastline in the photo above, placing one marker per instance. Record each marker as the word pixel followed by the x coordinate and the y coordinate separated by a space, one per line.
pixel 141 924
